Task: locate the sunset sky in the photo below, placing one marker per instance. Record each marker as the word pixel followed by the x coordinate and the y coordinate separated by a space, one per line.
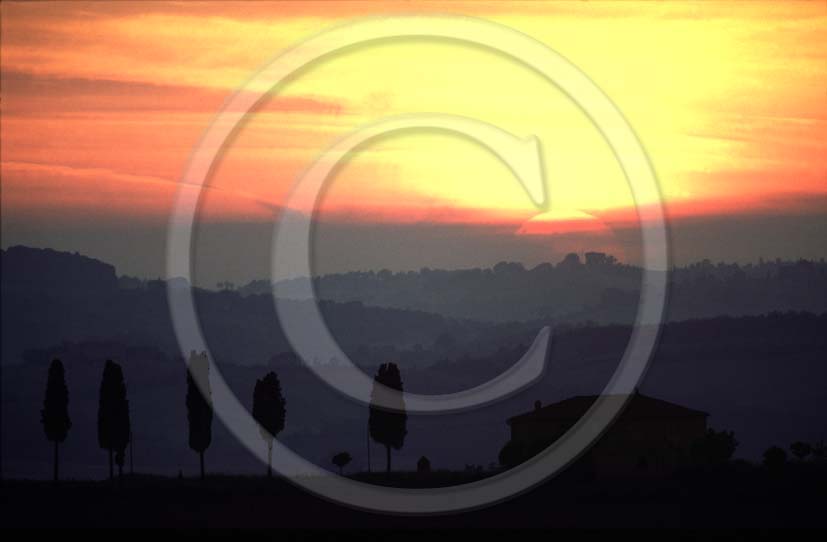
pixel 102 103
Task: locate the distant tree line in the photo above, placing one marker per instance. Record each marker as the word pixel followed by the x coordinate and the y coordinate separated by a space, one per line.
pixel 592 287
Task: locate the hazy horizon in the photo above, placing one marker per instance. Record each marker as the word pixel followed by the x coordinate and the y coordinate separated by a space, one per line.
pixel 240 252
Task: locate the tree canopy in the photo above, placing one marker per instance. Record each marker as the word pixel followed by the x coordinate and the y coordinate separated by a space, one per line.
pixel 388 427
pixel 199 404
pixel 199 407
pixel 269 406
pixel 269 412
pixel 341 460
pixel 55 413
pixel 114 429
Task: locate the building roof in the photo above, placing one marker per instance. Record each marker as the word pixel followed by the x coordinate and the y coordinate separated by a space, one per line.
pixel 639 407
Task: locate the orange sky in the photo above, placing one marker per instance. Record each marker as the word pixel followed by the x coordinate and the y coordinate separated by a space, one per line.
pixel 102 103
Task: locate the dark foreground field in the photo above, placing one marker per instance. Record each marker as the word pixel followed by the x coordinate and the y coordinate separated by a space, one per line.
pixel 734 497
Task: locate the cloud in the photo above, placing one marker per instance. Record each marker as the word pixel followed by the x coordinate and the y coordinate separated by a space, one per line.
pixel 30 94
pixel 51 193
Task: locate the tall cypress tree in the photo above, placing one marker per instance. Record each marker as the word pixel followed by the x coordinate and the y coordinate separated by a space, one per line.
pixel 269 412
pixel 199 405
pixel 55 413
pixel 388 427
pixel 113 414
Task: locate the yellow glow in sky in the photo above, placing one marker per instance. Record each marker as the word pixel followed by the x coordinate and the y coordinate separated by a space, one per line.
pixel 730 100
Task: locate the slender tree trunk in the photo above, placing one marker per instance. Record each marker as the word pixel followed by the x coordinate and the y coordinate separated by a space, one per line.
pixel 56 461
pixel 201 455
pixel 269 460
pixel 388 451
pixel 111 470
pixel 131 456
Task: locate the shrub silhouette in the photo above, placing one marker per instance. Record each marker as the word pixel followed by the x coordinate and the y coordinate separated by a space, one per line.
pixel 512 454
pixel 269 412
pixel 341 460
pixel 714 448
pixel 801 450
pixel 55 413
pixel 818 451
pixel 423 465
pixel 113 414
pixel 388 427
pixel 199 405
pixel 775 458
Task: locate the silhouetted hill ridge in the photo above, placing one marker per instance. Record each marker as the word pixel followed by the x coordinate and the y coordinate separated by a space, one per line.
pixel 45 270
pixel 42 306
